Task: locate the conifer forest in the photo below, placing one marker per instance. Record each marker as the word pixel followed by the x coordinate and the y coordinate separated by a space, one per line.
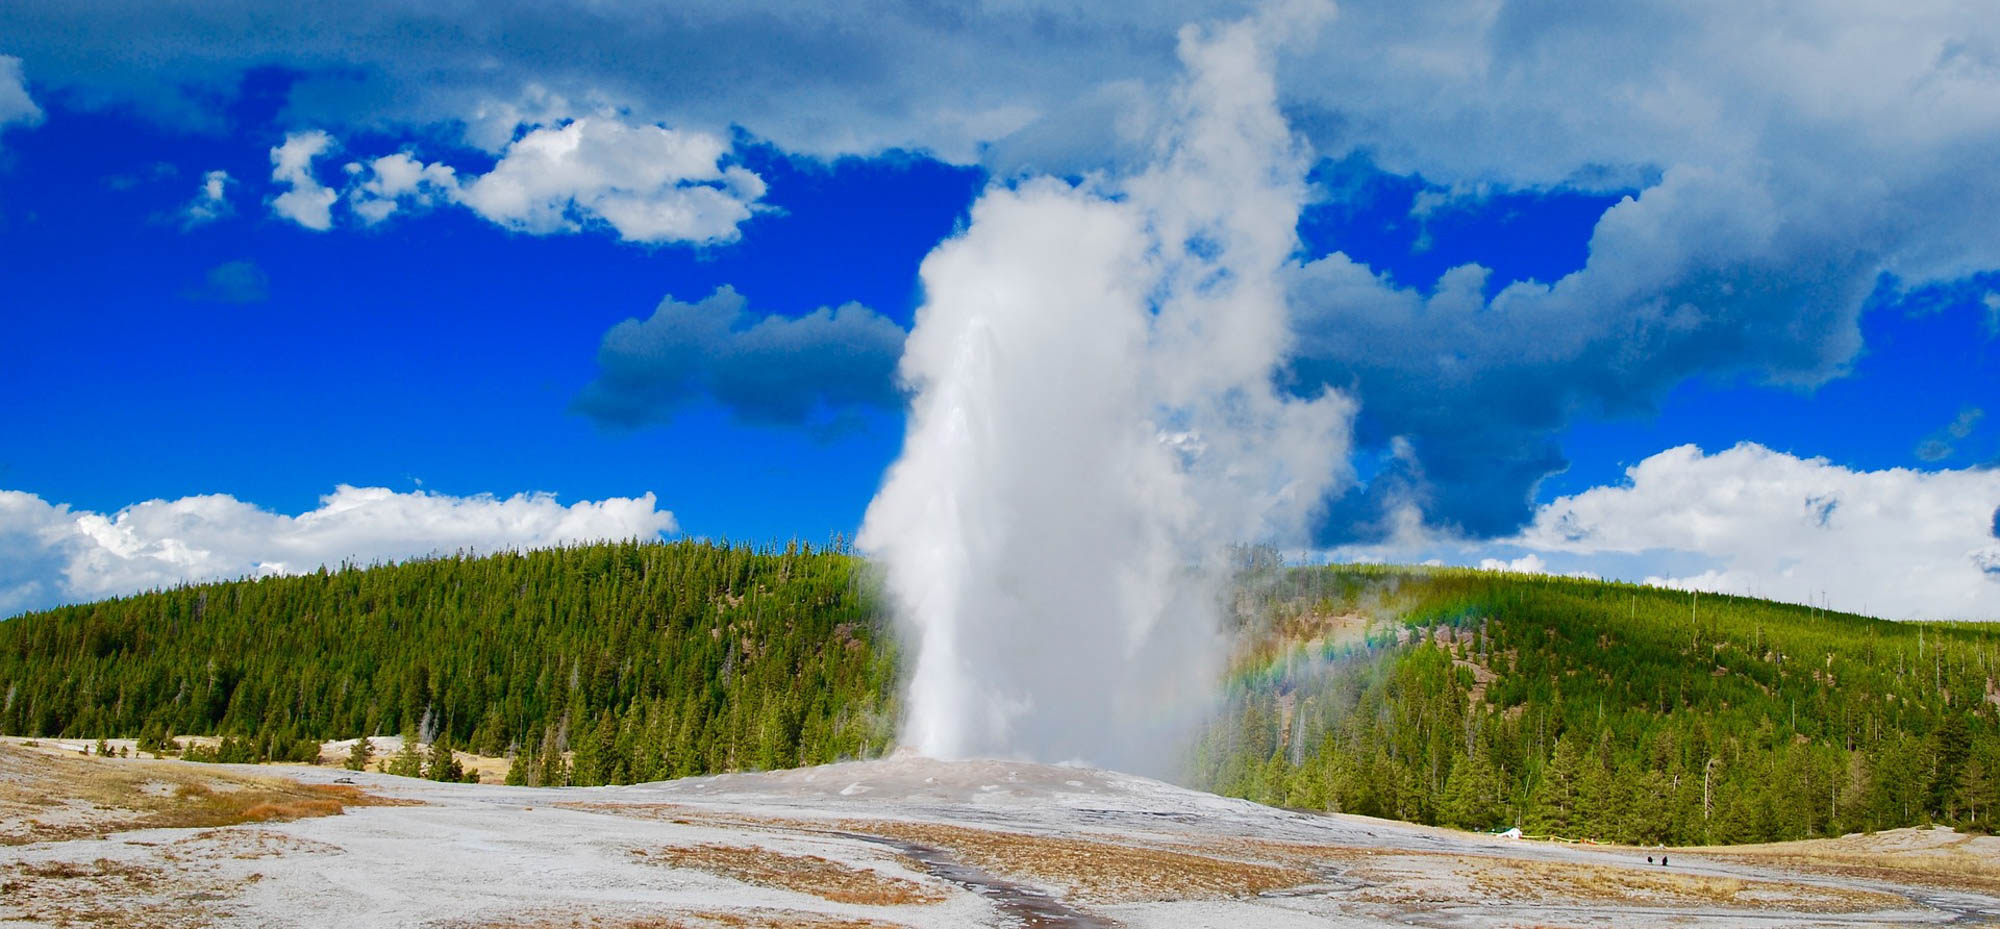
pixel 1566 707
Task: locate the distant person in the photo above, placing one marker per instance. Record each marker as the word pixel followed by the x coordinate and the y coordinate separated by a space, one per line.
pixel 1649 859
pixel 1663 861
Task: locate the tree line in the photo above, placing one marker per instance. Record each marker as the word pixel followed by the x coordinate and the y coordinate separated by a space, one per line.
pixel 633 661
pixel 1593 710
pixel 1570 707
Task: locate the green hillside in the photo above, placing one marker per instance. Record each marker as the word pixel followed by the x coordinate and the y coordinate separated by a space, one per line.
pixel 1568 707
pixel 647 661
pixel 1598 710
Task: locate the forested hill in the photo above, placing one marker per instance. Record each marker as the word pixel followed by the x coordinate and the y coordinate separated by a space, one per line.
pixel 645 660
pixel 1592 710
pixel 1568 707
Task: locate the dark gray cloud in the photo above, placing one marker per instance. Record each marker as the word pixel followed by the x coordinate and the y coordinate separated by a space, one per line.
pixel 1943 443
pixel 771 369
pixel 816 78
pixel 1479 389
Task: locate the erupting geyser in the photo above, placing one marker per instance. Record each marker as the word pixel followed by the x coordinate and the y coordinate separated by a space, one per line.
pixel 1095 417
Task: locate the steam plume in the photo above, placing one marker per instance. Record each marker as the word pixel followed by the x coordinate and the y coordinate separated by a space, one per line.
pixel 1094 418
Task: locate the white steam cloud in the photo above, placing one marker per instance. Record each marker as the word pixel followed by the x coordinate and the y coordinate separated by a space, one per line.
pixel 1095 417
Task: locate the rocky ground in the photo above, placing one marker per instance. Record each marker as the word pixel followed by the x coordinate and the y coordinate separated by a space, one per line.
pixel 898 842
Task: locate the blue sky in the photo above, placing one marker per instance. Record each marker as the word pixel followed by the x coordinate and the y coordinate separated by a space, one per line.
pixel 1746 268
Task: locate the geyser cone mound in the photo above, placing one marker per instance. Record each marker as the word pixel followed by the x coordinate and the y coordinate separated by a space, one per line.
pixel 911 780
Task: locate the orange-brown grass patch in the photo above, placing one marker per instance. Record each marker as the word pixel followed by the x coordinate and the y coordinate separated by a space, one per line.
pixel 45 798
pixel 1533 881
pixel 1086 870
pixel 690 919
pixel 1923 857
pixel 1093 871
pixel 1418 876
pixel 811 874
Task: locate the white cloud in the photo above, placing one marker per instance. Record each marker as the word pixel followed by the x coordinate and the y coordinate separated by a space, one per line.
pixel 647 184
pixel 1899 543
pixel 52 553
pixel 211 202
pixel 16 107
pixel 650 183
pixel 1526 564
pixel 384 184
pixel 306 201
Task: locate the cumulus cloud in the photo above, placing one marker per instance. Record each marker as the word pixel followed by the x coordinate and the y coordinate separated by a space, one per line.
pixel 1526 564
pixel 1779 184
pixel 16 107
pixel 646 184
pixel 210 203
pixel 305 201
pixel 384 185
pixel 649 183
pixel 1899 543
pixel 51 553
pixel 233 282
pixel 1682 280
pixel 767 368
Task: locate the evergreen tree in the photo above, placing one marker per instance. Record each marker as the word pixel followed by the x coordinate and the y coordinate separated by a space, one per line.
pixel 407 762
pixel 357 757
pixel 1558 802
pixel 521 768
pixel 442 764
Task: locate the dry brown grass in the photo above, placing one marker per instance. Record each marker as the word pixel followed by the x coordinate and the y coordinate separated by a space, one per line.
pixel 47 798
pixel 811 874
pixel 1086 871
pixel 1167 867
pixel 1095 872
pixel 1527 881
pixel 1413 876
pixel 691 919
pixel 1906 856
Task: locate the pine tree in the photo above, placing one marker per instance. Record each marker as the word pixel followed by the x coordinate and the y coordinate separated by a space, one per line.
pixel 443 763
pixel 1556 805
pixel 1980 789
pixel 407 762
pixel 521 770
pixel 357 757
pixel 1471 796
